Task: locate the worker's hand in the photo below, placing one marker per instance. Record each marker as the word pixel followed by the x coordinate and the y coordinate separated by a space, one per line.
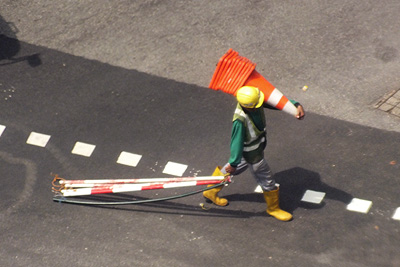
pixel 300 112
pixel 230 169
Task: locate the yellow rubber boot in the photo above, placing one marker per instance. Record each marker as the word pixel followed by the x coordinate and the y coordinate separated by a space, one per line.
pixel 273 209
pixel 212 194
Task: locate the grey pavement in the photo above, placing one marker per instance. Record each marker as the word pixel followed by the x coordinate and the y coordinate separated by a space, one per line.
pixel 390 103
pixel 346 52
pixel 133 77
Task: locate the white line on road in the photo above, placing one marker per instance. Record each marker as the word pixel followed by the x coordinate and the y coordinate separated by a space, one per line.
pixel 175 169
pixel 129 159
pixel 38 139
pixel 83 149
pixel 359 205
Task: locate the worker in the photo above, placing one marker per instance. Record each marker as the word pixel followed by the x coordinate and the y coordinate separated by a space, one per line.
pixel 248 141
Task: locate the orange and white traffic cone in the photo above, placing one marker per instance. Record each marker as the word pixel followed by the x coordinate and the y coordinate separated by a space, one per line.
pixel 234 71
pixel 272 96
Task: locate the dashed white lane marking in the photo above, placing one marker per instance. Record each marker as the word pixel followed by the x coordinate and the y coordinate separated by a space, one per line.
pixel 175 169
pixel 359 205
pixel 129 159
pixel 313 196
pixel 83 149
pixel 2 128
pixel 396 215
pixel 259 189
pixel 38 139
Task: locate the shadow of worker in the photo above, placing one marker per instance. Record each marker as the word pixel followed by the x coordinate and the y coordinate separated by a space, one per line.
pixel 10 46
pixel 296 181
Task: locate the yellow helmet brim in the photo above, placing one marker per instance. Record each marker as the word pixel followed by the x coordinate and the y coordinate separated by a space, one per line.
pixel 260 99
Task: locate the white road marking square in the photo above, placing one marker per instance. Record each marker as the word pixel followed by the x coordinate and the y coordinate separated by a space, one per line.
pixel 129 159
pixel 313 196
pixel 83 149
pixel 396 215
pixel 2 128
pixel 258 189
pixel 359 205
pixel 175 169
pixel 38 139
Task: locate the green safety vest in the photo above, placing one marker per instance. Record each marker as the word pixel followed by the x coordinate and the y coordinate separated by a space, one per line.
pixel 255 140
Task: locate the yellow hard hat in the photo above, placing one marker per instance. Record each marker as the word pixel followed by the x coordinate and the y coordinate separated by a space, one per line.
pixel 250 97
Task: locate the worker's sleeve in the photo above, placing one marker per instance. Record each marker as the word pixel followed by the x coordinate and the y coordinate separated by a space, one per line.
pixel 237 141
pixel 294 102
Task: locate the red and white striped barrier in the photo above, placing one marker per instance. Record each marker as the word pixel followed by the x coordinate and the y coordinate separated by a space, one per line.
pixel 105 186
pixel 89 183
pixel 119 188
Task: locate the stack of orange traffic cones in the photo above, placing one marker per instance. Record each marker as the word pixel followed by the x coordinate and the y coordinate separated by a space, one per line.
pixel 234 71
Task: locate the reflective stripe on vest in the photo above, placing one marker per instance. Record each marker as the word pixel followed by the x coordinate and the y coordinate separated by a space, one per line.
pixel 255 146
pixel 254 137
